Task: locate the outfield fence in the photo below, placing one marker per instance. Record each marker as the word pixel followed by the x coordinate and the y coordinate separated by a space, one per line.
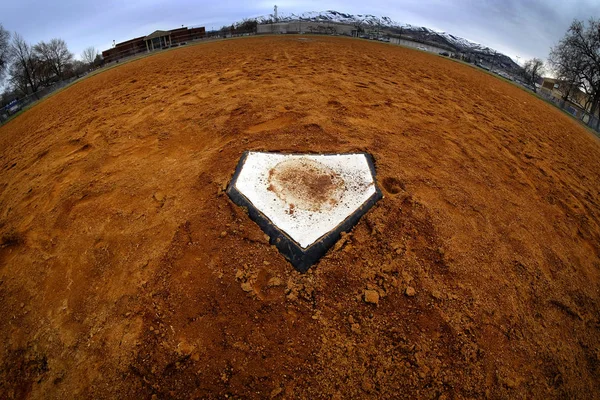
pixel 7 112
pixel 21 103
pixel 591 121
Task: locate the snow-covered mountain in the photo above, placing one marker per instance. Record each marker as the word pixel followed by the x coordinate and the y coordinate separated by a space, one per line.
pixel 367 21
pixel 334 16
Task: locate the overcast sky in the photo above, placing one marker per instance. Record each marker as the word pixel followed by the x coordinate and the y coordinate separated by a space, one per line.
pixel 525 28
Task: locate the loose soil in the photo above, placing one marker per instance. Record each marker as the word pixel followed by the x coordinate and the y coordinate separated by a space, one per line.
pixel 126 272
pixel 306 184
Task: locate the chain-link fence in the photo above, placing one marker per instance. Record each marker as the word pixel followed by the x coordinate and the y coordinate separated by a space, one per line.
pixel 15 106
pixel 591 121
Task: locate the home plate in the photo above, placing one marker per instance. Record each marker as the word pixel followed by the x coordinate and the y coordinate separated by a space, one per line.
pixel 304 201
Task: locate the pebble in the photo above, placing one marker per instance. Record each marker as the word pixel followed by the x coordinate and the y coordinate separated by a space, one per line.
pixel 371 296
pixel 223 234
pixel 274 281
pixel 159 196
pixel 410 291
pixel 276 391
pixel 246 287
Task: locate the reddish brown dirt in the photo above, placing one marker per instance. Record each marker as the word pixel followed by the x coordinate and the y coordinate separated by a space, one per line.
pixel 125 272
pixel 307 184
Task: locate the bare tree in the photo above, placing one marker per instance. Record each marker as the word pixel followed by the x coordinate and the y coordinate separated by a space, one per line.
pixel 89 55
pixel 533 70
pixel 55 53
pixel 24 69
pixel 576 59
pixel 76 68
pixel 5 54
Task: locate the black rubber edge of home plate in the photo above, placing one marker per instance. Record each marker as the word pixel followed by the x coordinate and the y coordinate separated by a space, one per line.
pixel 301 259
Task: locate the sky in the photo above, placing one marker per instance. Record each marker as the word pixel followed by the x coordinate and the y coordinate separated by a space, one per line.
pixel 523 29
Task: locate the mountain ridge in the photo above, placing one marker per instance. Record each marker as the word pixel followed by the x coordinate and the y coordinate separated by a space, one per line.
pixel 418 33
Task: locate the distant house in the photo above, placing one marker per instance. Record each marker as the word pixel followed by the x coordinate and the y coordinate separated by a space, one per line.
pixel 577 102
pixel 550 86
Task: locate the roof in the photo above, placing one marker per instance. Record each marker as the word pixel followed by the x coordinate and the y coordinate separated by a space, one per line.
pixel 156 34
pixel 129 41
pixel 549 80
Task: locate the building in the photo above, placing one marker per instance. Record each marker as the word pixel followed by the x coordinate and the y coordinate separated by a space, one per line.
pixel 421 46
pixel 578 102
pixel 157 40
pixel 557 90
pixel 317 27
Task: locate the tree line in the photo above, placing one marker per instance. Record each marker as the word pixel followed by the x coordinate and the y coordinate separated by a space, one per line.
pixel 575 61
pixel 248 25
pixel 26 68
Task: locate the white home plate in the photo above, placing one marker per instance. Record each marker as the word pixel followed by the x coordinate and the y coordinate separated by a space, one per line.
pixel 304 201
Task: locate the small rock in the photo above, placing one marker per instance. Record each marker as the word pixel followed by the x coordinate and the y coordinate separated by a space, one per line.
pixel 247 287
pixel 355 328
pixel 410 291
pixel 274 281
pixel 223 234
pixel 371 296
pixel 275 392
pixel 386 268
pixel 159 196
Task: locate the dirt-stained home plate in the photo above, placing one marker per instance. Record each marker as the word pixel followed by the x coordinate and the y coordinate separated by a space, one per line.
pixel 305 201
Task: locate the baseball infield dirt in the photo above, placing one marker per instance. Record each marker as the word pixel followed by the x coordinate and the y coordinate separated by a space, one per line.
pixel 126 272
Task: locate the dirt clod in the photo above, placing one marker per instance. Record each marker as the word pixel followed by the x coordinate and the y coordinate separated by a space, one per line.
pixel 247 287
pixel 371 296
pixel 274 281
